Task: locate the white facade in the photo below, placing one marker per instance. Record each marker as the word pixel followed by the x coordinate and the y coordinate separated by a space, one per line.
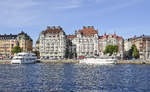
pixel 53 43
pixel 86 43
pixel 127 45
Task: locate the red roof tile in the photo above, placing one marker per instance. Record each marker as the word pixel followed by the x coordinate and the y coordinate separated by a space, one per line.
pixel 71 37
pixel 53 30
pixel 88 31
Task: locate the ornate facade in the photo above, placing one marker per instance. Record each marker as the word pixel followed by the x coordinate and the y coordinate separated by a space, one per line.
pixel 86 42
pixel 9 41
pixel 25 42
pixel 53 42
pixel 111 40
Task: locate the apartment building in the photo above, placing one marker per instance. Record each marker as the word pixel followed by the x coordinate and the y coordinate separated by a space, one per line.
pixel 52 43
pixel 111 39
pixel 143 45
pixel 7 42
pixel 86 42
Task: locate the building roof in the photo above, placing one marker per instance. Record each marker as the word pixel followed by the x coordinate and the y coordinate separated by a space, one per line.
pixel 113 36
pixel 87 31
pixel 24 36
pixel 71 37
pixel 53 29
pixel 142 36
pixel 10 36
pixel 20 35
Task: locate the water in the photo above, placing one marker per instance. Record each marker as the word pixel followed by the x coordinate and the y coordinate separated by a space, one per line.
pixel 74 78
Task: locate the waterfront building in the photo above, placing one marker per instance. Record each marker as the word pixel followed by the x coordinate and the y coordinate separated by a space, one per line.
pixel 85 41
pixel 71 47
pixel 53 43
pixel 111 39
pixel 127 45
pixel 7 42
pixel 143 45
pixel 25 42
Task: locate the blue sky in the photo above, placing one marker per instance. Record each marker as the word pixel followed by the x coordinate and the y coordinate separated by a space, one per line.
pixel 125 17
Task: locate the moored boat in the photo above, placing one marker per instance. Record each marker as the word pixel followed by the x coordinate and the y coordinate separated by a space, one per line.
pixel 99 60
pixel 24 58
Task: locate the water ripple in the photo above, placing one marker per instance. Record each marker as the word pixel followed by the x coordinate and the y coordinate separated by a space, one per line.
pixel 74 78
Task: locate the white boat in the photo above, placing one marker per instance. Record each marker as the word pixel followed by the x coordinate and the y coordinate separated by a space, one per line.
pixel 24 58
pixel 98 60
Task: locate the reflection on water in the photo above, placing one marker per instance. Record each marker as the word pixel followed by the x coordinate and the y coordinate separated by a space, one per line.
pixel 74 78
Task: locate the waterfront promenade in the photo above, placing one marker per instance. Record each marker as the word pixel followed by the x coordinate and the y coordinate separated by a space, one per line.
pixel 45 61
pixel 77 61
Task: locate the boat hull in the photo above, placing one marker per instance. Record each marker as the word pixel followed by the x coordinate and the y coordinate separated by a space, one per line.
pixel 98 61
pixel 22 61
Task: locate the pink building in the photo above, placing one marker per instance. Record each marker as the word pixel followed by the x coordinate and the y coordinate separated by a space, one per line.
pixel 111 39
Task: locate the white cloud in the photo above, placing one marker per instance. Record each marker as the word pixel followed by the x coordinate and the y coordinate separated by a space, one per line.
pixel 66 4
pixel 27 12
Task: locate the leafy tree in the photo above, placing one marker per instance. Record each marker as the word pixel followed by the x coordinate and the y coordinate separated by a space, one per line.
pixel 111 49
pixel 134 52
pixel 16 49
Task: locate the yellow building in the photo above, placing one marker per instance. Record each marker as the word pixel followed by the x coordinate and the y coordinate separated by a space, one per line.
pixel 25 42
pixel 7 42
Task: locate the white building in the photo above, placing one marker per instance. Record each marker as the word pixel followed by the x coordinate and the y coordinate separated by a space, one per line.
pixel 127 45
pixel 86 42
pixel 53 43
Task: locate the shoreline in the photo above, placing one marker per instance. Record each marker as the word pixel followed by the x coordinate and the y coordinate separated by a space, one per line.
pixel 59 61
pixel 72 61
pixel 5 61
pixel 133 62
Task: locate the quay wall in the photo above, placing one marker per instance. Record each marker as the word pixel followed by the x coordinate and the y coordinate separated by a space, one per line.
pixel 5 61
pixel 133 62
pixel 59 61
pixel 76 61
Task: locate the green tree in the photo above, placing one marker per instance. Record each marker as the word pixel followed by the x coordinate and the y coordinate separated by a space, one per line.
pixel 16 49
pixel 134 52
pixel 111 49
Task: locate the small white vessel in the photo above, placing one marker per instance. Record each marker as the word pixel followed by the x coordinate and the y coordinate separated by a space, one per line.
pixel 24 58
pixel 98 60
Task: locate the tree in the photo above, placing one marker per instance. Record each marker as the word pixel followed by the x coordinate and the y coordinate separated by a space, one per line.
pixel 111 49
pixel 134 52
pixel 16 49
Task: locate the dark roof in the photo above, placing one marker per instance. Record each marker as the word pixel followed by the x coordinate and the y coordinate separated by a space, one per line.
pixel 142 36
pixel 10 36
pixel 27 37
